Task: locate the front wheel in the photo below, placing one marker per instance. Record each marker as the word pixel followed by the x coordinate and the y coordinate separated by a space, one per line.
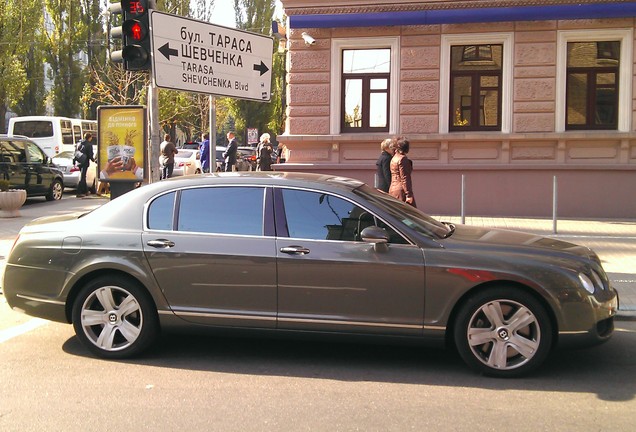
pixel 501 332
pixel 115 318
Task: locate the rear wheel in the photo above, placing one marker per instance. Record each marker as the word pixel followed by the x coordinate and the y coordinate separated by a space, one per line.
pixel 115 318
pixel 56 191
pixel 503 333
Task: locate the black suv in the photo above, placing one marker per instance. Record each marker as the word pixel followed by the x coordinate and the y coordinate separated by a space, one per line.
pixel 26 166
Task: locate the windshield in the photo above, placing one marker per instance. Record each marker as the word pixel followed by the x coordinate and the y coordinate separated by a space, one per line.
pixel 408 215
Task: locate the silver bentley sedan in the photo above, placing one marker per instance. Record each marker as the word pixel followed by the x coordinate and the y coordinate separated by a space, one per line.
pixel 298 254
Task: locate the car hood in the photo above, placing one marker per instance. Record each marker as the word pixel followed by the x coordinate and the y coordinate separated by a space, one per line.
pixel 506 241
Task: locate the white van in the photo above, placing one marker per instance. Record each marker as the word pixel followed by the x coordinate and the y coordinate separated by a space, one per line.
pixel 53 134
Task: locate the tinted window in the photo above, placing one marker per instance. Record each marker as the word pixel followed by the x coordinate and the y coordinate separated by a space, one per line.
pixel 35 154
pixel 33 129
pixel 12 151
pixel 320 216
pixel 222 210
pixel 160 212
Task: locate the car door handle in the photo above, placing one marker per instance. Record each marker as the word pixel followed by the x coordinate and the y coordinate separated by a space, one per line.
pixel 294 250
pixel 161 243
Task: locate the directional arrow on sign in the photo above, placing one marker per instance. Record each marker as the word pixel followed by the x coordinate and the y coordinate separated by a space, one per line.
pixel 167 51
pixel 262 68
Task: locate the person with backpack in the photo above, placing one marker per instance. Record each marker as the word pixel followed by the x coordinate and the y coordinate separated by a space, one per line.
pixel 83 157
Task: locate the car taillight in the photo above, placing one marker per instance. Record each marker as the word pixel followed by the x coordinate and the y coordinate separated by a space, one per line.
pixel 14 243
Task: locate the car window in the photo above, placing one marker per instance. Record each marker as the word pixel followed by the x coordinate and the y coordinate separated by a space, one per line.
pixel 321 216
pixel 222 210
pixel 35 154
pixel 160 213
pixel 13 152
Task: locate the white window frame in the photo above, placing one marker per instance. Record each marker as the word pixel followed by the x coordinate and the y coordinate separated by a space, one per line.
pixel 626 37
pixel 505 39
pixel 337 45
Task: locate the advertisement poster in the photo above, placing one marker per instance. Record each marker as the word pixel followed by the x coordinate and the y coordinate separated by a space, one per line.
pixel 122 142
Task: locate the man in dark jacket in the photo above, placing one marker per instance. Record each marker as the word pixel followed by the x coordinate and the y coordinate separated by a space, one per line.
pixel 230 153
pixel 86 148
pixel 383 172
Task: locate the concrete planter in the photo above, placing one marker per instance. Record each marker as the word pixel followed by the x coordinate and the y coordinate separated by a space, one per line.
pixel 11 201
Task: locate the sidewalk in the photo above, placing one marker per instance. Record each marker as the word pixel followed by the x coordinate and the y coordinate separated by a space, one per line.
pixel 613 240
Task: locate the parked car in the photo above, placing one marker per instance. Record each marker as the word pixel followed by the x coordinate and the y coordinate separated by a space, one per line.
pixel 242 164
pixel 26 166
pixel 71 173
pixel 190 145
pixel 187 162
pixel 248 154
pixel 306 254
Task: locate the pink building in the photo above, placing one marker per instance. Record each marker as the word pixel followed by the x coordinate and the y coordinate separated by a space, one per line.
pixel 505 95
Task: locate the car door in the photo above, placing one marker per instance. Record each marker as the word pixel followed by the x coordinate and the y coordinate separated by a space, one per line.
pixel 38 173
pixel 214 256
pixel 330 280
pixel 13 163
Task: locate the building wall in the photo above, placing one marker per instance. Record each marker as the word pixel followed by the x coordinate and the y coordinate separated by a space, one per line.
pixel 504 173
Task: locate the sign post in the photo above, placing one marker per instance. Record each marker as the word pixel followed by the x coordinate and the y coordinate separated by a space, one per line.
pixel 205 58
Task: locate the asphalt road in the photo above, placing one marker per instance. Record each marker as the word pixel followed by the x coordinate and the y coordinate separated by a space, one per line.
pixel 49 382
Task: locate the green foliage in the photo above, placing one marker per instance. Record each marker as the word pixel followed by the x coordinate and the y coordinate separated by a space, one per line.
pixel 4 185
pixel 18 19
pixel 256 16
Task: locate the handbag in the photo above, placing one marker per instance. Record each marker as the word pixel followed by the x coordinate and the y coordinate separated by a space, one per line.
pixel 80 157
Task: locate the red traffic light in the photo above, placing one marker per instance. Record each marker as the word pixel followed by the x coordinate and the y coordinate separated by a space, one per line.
pixel 135 30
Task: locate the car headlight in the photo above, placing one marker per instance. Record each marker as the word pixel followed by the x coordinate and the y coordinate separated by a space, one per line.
pixel 587 283
pixel 598 280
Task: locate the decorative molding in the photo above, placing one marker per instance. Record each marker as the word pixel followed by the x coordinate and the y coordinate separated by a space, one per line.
pixel 445 5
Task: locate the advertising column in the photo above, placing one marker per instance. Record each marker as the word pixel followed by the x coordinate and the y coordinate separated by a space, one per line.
pixel 122 132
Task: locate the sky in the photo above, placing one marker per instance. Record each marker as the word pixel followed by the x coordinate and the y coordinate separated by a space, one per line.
pixel 223 13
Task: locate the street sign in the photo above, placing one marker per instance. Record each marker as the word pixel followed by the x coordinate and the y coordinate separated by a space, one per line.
pixel 205 58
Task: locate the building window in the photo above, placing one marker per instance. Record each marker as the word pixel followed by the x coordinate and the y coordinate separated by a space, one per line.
pixel 364 82
pixel 365 90
pixel 594 80
pixel 475 87
pixel 476 82
pixel 592 85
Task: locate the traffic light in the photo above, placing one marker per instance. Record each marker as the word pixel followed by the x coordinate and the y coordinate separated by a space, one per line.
pixel 134 32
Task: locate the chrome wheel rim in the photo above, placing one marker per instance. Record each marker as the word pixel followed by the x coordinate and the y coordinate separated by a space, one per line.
pixel 504 334
pixel 111 318
pixel 57 191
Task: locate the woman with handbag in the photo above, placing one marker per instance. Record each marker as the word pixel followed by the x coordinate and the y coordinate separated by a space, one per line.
pixel 83 158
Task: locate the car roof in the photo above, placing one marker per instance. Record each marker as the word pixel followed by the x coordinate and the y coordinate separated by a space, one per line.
pixel 325 182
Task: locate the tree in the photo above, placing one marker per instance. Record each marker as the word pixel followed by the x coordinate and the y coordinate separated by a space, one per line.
pixel 94 43
pixel 256 16
pixel 63 47
pixel 17 35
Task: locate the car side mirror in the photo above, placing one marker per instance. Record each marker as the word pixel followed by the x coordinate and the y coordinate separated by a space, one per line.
pixel 376 235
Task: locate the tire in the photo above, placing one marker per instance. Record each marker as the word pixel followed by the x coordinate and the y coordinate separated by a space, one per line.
pixel 115 318
pixel 56 191
pixel 503 332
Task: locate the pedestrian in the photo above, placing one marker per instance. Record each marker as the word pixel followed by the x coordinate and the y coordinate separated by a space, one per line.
pixel 204 150
pixel 282 154
pixel 229 155
pixel 383 165
pixel 166 158
pixel 401 169
pixel 264 152
pixel 83 157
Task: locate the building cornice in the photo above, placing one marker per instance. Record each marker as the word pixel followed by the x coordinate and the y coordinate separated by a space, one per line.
pixel 305 7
